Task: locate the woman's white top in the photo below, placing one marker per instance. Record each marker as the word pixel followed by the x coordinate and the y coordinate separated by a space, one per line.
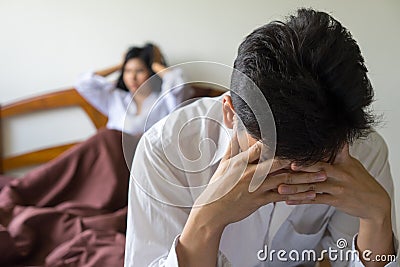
pixel 119 107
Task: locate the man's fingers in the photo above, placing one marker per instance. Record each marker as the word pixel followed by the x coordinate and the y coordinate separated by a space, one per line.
pixel 299 188
pixel 251 154
pixel 330 170
pixel 273 165
pixel 327 187
pixel 326 199
pixel 262 170
pixel 272 196
pixel 312 168
pixel 233 148
pixel 293 178
pixel 254 152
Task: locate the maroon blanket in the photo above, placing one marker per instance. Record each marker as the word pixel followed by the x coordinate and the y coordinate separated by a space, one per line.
pixel 70 211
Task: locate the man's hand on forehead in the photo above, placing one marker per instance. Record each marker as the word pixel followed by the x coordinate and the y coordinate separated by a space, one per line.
pixel 347 185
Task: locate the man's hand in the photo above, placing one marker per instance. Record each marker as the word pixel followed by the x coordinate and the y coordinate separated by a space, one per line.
pixel 228 190
pixel 351 189
pixel 227 200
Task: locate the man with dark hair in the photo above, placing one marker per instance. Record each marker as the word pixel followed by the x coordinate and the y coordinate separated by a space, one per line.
pixel 315 182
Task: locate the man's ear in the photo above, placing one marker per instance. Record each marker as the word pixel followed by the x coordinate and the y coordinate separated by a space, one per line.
pixel 228 111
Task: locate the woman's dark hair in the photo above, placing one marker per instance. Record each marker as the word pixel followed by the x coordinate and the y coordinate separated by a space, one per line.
pixel 313 76
pixel 144 53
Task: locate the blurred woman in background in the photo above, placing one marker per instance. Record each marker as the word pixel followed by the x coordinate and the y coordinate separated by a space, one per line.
pixel 79 199
pixel 135 102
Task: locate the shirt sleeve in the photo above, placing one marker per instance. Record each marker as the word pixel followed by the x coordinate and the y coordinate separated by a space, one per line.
pixel 155 220
pixel 172 259
pixel 96 90
pixel 152 224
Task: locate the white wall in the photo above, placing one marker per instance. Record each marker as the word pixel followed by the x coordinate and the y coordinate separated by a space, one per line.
pixel 45 44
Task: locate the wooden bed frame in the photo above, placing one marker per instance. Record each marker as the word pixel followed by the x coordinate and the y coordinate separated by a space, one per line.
pixel 56 100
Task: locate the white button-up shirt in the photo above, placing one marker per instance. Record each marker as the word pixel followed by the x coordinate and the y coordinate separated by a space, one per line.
pixel 173 163
pixel 121 111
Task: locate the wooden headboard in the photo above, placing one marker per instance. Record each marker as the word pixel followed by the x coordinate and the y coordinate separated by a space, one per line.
pixel 58 100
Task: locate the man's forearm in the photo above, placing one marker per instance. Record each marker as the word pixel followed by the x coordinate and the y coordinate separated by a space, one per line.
pixel 376 236
pixel 198 244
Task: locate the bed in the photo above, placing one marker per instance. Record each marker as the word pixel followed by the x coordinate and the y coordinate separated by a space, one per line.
pixel 70 209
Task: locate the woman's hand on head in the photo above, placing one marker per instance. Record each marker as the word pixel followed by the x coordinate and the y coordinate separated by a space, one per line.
pixel 157 56
pixel 158 65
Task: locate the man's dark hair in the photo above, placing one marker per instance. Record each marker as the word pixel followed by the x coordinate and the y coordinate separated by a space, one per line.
pixel 313 76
